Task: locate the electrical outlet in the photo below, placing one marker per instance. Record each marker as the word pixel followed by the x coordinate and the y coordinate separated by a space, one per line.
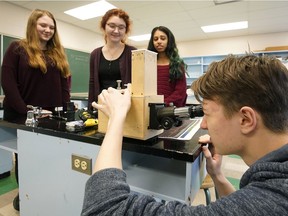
pixel 82 164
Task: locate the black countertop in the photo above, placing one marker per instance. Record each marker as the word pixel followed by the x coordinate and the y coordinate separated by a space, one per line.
pixel 167 148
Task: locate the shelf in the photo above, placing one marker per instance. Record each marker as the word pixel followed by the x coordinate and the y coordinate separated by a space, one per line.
pixel 197 65
pixel 193 60
pixel 209 59
pixel 9 145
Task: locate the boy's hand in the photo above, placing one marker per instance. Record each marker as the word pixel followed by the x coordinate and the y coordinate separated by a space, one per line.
pixel 112 102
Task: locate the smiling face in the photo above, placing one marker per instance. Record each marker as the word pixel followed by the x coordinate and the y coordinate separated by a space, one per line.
pixel 115 29
pixel 45 29
pixel 160 41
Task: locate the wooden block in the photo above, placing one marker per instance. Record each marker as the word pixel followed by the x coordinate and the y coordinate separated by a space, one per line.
pixel 144 72
pixel 276 48
pixel 137 121
pixel 144 91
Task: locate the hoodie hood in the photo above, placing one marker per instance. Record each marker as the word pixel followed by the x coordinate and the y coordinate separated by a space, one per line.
pixel 273 166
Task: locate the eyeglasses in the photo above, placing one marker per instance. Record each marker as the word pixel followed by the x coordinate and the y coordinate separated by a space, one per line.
pixel 114 26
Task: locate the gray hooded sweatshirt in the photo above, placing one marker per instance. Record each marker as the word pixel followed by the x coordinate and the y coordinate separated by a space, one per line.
pixel 263 191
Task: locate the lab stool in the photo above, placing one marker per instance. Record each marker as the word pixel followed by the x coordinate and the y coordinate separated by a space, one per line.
pixel 206 185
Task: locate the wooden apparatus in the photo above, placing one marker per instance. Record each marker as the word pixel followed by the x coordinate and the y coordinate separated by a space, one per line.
pixel 144 91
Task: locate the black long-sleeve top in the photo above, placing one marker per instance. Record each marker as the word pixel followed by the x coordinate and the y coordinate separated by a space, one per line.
pixel 124 66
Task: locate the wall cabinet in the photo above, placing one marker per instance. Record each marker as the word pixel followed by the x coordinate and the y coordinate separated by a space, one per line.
pixel 197 65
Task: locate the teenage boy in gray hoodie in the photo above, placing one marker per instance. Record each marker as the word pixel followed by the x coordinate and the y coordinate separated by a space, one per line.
pixel 245 108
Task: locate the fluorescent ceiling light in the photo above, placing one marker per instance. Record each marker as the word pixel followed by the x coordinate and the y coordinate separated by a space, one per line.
pixel 89 11
pixel 225 27
pixel 218 2
pixel 144 37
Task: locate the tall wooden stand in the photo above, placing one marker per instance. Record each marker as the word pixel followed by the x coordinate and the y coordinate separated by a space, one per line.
pixel 144 91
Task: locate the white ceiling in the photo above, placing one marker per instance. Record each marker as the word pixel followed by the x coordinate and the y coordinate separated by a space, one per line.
pixel 184 18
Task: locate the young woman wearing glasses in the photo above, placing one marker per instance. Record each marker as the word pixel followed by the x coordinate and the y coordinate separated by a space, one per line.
pixel 112 61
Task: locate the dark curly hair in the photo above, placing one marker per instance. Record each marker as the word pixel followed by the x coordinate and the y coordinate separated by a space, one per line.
pixel 177 65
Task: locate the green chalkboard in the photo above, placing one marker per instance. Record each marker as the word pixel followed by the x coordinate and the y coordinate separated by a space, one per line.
pixel 6 42
pixel 79 66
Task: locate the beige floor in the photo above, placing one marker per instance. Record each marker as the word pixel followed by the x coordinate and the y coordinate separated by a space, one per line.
pixel 6 207
pixel 232 167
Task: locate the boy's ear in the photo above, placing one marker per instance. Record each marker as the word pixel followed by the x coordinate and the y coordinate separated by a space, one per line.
pixel 248 119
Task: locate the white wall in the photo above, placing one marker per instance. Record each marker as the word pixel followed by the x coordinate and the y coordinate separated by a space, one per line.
pixel 84 40
pixel 234 45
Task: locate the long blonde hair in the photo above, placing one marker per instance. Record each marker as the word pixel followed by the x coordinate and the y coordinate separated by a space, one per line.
pixel 55 51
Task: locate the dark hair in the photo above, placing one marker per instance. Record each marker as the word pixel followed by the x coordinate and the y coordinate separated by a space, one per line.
pixel 177 65
pixel 116 12
pixel 260 82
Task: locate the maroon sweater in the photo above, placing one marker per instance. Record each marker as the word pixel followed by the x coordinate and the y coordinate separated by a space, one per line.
pixel 24 85
pixel 125 70
pixel 174 92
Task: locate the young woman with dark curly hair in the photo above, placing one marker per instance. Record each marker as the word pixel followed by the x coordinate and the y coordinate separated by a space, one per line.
pixel 171 69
